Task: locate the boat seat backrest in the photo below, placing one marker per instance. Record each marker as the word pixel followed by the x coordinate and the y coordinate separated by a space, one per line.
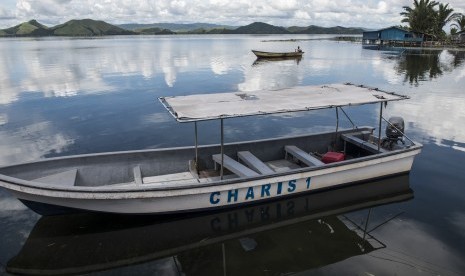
pixel 137 175
pixel 234 166
pixel 253 162
pixel 302 156
pixel 66 178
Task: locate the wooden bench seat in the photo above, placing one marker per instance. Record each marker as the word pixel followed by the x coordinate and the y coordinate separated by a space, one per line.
pixel 234 166
pixel 351 138
pixel 174 178
pixel 302 156
pixel 253 162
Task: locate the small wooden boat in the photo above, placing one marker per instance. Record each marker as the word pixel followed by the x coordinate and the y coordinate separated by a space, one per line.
pixel 207 177
pixel 261 54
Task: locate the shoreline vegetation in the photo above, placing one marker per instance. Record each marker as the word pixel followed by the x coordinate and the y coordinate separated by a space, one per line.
pixel 358 39
pixel 90 27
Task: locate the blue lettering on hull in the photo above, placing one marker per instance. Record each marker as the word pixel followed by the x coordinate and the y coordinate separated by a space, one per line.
pixel 263 191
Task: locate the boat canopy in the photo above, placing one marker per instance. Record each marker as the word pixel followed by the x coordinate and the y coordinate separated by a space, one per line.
pixel 203 107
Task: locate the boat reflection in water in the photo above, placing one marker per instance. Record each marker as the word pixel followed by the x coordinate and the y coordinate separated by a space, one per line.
pixel 289 235
pixel 260 61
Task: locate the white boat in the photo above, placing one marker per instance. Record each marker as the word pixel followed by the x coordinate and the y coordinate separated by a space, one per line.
pixel 67 243
pixel 261 54
pixel 195 178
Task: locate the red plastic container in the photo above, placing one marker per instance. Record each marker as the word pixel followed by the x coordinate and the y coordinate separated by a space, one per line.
pixel 331 157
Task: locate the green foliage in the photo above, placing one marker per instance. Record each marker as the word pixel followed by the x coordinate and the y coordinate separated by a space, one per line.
pixel 444 15
pixel 459 23
pixel 421 17
pixel 429 17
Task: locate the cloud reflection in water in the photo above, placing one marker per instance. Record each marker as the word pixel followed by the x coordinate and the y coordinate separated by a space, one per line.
pixel 31 142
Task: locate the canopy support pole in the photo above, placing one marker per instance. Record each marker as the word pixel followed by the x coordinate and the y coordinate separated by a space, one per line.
pixel 196 148
pixel 337 128
pixel 379 126
pixel 222 150
pixel 350 120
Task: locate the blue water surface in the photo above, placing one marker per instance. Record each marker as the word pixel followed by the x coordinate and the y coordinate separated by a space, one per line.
pixel 65 96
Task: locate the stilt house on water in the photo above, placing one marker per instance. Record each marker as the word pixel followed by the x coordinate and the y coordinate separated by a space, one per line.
pixel 393 36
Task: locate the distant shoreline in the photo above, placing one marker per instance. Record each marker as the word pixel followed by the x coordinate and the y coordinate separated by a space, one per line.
pixel 90 27
pixel 358 39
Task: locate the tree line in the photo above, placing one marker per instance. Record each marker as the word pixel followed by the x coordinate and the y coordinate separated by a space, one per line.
pixel 430 17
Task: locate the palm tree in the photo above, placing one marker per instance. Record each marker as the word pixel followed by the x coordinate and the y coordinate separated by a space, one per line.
pixel 444 15
pixel 459 22
pixel 421 17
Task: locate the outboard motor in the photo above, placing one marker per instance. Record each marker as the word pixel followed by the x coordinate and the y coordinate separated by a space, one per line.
pixel 394 132
pixel 395 128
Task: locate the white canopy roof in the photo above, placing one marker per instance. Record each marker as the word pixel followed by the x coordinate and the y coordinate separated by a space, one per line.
pixel 237 104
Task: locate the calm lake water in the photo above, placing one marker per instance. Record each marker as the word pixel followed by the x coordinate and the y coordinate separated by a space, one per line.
pixel 73 96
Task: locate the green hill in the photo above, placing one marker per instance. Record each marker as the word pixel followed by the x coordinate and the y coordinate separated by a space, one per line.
pixel 260 28
pixel 88 27
pixel 154 31
pixel 175 27
pixel 296 29
pixel 30 28
pixel 322 30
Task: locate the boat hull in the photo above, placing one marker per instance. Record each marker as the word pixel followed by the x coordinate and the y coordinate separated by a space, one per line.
pixel 223 194
pixel 70 247
pixel 261 54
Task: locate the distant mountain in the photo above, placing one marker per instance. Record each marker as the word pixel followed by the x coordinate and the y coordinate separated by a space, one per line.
pixel 296 29
pixel 175 27
pixel 260 28
pixel 212 31
pixel 88 27
pixel 154 31
pixel 83 27
pixel 30 28
pixel 322 30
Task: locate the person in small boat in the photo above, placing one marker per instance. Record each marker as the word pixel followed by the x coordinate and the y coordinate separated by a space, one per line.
pixel 298 49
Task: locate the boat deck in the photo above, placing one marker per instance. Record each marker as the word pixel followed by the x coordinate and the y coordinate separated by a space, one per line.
pixel 242 164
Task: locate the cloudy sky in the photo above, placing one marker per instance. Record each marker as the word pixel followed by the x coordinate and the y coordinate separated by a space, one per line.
pixel 348 13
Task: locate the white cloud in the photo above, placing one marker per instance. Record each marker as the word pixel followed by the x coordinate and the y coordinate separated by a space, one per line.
pixel 372 14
